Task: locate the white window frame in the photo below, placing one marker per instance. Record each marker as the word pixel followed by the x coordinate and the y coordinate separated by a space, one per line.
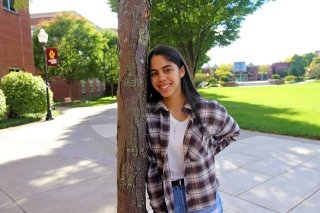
pixel 9 5
pixel 83 86
pixel 98 84
pixel 91 86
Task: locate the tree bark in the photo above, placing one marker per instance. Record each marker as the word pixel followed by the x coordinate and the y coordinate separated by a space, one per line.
pixel 134 17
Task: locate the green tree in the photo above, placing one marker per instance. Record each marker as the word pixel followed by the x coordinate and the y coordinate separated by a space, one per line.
pixel 196 26
pixel 21 4
pixel 313 71
pixel 224 70
pixel 79 45
pixel 297 65
pixel 110 63
pixel 263 71
pixel 309 57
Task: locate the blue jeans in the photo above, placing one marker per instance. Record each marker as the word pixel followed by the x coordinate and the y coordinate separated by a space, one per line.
pixel 180 203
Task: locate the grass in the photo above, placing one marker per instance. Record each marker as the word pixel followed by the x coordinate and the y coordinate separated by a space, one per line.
pixel 30 118
pixel 91 102
pixel 292 109
pixel 11 122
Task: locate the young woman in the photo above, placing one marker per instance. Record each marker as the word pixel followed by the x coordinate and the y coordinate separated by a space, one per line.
pixel 184 132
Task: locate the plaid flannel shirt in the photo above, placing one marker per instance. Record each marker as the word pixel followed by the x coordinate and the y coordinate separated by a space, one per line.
pixel 209 131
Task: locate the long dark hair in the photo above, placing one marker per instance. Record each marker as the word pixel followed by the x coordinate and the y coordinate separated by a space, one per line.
pixel 173 55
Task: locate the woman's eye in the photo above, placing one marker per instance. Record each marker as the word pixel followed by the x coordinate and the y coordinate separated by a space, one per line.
pixel 153 74
pixel 167 70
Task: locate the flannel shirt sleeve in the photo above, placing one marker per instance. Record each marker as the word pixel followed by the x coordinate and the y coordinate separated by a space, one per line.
pixel 154 183
pixel 229 129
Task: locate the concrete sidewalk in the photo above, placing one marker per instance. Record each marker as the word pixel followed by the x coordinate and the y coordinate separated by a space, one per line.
pixel 69 165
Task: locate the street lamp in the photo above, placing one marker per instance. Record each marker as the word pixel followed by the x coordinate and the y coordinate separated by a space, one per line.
pixel 43 39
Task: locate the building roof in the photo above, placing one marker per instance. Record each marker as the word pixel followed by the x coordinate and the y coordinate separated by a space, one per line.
pixel 35 18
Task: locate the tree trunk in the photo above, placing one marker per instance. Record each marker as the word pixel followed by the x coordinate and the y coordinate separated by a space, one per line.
pixel 134 17
pixel 112 90
pixel 70 89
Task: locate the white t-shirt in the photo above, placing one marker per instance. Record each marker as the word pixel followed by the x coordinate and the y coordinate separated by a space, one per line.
pixel 175 147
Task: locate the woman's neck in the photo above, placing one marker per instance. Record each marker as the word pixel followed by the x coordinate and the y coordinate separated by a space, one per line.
pixel 175 102
pixel 175 106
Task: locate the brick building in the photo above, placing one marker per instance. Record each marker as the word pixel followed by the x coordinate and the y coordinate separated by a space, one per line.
pixel 16 52
pixel 80 90
pixel 280 68
pixel 252 72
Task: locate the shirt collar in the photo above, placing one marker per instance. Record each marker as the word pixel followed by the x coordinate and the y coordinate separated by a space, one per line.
pixel 160 105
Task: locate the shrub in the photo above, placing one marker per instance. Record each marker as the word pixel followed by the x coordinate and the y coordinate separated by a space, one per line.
pixel 300 79
pixel 222 83
pixel 24 93
pixel 224 78
pixel 291 79
pixel 275 76
pixel 200 77
pixel 2 104
pixel 213 82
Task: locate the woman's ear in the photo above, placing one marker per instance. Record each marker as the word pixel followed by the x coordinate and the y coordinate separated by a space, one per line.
pixel 182 71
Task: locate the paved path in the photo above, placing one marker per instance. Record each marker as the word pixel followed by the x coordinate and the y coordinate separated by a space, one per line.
pixel 69 165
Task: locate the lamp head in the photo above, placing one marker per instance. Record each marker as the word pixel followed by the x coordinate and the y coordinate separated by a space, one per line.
pixel 43 36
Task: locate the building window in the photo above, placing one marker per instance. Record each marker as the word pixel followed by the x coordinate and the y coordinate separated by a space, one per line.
pixel 14 69
pixel 8 4
pixel 98 84
pixel 91 85
pixel 83 86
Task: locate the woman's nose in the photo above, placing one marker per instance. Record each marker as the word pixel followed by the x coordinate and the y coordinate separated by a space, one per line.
pixel 161 76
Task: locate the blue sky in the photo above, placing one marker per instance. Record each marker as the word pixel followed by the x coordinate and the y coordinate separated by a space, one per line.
pixel 278 30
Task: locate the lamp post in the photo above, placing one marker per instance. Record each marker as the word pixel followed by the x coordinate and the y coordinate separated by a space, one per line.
pixel 43 39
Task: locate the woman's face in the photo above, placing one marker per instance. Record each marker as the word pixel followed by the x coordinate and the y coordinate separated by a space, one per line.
pixel 166 76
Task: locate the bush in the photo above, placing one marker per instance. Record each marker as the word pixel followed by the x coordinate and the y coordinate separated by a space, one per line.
pixel 291 79
pixel 275 76
pixel 213 82
pixel 2 104
pixel 24 93
pixel 224 78
pixel 200 77
pixel 300 79
pixel 222 83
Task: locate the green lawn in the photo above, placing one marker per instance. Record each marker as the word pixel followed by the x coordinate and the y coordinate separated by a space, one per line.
pixel 292 109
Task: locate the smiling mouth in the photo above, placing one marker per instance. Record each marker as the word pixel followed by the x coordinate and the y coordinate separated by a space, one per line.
pixel 164 86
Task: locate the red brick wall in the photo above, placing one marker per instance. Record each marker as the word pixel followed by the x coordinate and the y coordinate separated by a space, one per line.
pixel 252 73
pixel 279 67
pixel 15 41
pixel 61 90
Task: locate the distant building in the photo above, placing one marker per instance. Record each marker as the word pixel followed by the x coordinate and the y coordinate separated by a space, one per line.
pixel 240 71
pixel 81 90
pixel 16 52
pixel 252 72
pixel 280 68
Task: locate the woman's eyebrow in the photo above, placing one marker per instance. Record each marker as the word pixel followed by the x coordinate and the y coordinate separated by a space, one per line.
pixel 162 68
pixel 166 66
